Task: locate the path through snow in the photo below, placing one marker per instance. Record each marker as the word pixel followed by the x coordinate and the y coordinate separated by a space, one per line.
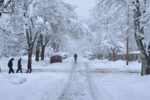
pixel 79 84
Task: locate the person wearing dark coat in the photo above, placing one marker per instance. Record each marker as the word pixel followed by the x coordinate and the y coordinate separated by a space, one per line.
pixel 10 65
pixel 29 70
pixel 75 57
pixel 19 66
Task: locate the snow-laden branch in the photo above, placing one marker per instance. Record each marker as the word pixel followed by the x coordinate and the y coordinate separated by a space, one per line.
pixel 6 2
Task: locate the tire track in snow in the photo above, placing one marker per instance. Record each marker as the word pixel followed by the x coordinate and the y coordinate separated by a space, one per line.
pixel 64 94
pixel 75 74
pixel 103 93
pixel 77 87
pixel 89 79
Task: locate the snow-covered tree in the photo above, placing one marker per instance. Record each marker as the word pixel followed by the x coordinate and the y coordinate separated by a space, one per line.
pixel 23 21
pixel 110 21
pixel 141 20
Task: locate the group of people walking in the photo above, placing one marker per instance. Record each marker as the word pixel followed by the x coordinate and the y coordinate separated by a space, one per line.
pixel 19 66
pixel 29 70
pixel 10 66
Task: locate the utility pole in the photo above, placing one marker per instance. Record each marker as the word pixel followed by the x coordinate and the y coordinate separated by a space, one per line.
pixel 127 38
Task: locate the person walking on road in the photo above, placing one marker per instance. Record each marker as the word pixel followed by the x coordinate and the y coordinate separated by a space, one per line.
pixel 75 57
pixel 10 65
pixel 29 70
pixel 19 66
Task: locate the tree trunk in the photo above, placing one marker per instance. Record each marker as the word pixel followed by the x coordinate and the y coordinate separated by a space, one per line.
pixel 42 52
pixel 37 54
pixel 44 42
pixel 148 66
pixel 29 67
pixel 30 54
pixel 139 31
pixel 145 69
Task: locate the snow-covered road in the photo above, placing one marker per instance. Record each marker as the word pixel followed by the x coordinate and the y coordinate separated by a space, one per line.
pixel 79 86
pixel 76 81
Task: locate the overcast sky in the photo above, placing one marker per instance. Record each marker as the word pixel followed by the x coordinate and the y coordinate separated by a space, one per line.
pixel 83 6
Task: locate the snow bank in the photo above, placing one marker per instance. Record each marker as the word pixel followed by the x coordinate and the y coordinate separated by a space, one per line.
pixel 117 65
pixel 121 87
pixel 39 86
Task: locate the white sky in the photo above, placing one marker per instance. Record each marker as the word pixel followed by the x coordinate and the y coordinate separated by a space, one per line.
pixel 83 6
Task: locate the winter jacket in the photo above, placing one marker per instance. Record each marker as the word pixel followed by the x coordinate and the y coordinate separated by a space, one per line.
pixel 10 63
pixel 19 63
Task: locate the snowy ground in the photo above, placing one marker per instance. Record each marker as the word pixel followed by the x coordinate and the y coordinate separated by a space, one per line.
pixel 85 80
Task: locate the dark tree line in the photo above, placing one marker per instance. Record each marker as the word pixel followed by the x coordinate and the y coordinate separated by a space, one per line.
pixel 41 45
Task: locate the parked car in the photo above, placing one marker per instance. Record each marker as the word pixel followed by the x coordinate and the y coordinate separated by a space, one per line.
pixel 55 59
pixel 64 55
